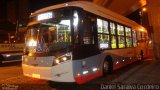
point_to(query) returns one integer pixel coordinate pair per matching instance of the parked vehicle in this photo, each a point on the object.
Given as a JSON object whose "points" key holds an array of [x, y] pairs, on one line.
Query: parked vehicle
{"points": [[11, 52]]}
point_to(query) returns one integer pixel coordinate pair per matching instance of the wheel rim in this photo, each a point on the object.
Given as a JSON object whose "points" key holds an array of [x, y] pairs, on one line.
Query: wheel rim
{"points": [[105, 65]]}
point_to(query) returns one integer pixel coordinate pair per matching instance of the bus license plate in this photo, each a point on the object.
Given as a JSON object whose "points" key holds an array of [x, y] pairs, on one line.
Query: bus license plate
{"points": [[36, 75]]}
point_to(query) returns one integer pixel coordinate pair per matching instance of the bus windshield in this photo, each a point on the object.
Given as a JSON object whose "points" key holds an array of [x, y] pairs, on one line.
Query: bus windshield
{"points": [[49, 36]]}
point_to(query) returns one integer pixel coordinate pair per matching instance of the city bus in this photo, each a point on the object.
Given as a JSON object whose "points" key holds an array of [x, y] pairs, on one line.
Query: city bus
{"points": [[78, 41]]}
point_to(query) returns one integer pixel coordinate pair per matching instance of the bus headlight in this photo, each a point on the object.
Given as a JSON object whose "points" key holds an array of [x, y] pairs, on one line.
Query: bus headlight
{"points": [[62, 58], [32, 43]]}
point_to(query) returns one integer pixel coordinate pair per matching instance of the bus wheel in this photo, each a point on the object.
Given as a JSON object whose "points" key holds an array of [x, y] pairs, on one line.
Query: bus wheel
{"points": [[107, 66]]}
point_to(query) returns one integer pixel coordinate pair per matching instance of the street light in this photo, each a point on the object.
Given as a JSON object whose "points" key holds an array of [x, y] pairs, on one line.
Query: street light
{"points": [[141, 12], [144, 9]]}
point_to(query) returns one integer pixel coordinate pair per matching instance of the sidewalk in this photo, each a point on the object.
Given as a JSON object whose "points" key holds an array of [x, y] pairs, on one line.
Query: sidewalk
{"points": [[145, 72]]}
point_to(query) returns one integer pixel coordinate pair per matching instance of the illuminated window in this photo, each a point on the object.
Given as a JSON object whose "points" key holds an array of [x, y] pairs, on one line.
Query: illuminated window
{"points": [[102, 26], [56, 32], [128, 31], [49, 35], [112, 28], [134, 38], [120, 30], [105, 27], [64, 31], [103, 41], [113, 42], [121, 39], [128, 37], [113, 35], [129, 41], [99, 25], [103, 34]]}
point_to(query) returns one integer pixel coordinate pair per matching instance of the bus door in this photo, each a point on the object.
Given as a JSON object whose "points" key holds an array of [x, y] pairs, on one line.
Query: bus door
{"points": [[86, 44]]}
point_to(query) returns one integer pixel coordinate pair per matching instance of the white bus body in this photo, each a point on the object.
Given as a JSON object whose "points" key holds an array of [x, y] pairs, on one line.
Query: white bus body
{"points": [[82, 55]]}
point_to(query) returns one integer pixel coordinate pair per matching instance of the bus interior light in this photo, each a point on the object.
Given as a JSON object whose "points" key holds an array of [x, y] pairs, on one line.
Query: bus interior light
{"points": [[75, 23]]}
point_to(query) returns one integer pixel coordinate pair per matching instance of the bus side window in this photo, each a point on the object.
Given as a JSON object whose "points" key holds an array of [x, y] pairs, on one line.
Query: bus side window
{"points": [[121, 37], [88, 36], [128, 37], [113, 35], [134, 34], [103, 34]]}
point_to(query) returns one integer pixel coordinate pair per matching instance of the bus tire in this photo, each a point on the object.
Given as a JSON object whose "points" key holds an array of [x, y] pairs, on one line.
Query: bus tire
{"points": [[107, 65]]}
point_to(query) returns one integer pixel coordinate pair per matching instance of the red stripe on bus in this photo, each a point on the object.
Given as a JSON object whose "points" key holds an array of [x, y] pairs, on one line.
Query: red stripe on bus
{"points": [[123, 65], [86, 78]]}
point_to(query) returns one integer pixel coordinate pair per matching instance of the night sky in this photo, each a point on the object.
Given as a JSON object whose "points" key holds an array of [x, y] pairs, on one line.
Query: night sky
{"points": [[33, 6], [37, 4]]}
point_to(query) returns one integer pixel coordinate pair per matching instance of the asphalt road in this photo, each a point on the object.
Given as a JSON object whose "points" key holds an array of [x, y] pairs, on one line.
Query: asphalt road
{"points": [[139, 75]]}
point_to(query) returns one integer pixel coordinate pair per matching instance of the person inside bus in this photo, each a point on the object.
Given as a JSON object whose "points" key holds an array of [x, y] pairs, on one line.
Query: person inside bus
{"points": [[60, 38]]}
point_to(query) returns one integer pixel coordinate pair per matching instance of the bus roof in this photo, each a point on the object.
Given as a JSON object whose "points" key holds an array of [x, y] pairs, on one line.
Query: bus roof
{"points": [[98, 10]]}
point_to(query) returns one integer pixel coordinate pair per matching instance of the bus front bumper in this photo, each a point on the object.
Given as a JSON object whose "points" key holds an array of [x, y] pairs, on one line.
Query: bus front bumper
{"points": [[55, 73], [37, 72]]}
